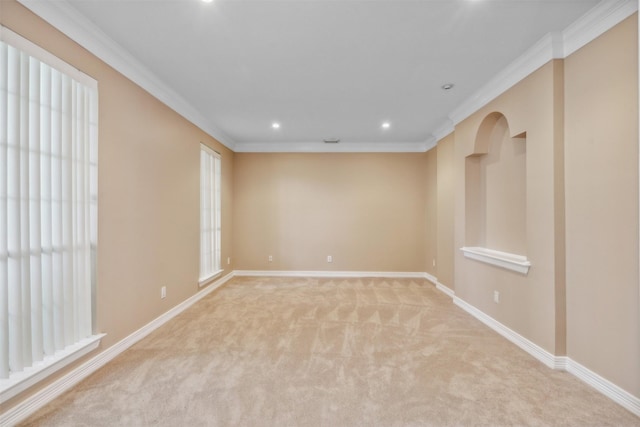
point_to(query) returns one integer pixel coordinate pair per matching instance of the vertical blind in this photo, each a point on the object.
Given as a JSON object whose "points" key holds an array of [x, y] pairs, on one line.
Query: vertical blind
{"points": [[48, 206], [209, 213]]}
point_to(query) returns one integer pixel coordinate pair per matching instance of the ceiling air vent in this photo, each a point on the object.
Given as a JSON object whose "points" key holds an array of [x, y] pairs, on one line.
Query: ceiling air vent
{"points": [[331, 140]]}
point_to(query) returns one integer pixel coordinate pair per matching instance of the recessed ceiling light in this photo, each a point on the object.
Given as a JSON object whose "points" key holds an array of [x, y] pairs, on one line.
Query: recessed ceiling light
{"points": [[386, 125], [207, 1], [447, 86], [275, 125]]}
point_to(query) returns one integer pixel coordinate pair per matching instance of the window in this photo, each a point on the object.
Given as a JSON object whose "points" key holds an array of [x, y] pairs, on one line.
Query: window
{"points": [[209, 214], [48, 209]]}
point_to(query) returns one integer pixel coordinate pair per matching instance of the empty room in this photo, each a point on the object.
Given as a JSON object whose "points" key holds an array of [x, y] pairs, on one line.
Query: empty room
{"points": [[319, 213]]}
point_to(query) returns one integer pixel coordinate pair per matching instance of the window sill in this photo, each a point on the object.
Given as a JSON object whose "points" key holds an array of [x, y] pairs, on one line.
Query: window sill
{"points": [[209, 279], [513, 262], [20, 381]]}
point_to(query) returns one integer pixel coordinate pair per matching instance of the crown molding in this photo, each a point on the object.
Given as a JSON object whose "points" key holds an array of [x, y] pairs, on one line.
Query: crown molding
{"points": [[604, 16], [320, 147], [595, 22], [78, 28], [548, 48], [431, 142], [446, 128]]}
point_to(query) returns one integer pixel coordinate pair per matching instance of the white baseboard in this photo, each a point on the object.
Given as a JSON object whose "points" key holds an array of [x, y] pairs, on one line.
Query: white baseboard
{"points": [[439, 286], [533, 349], [564, 363], [450, 292], [433, 279], [46, 395], [604, 386], [30, 405], [329, 274], [561, 363]]}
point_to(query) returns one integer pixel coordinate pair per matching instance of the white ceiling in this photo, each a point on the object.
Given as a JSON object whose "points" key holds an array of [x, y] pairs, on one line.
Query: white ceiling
{"points": [[326, 68]]}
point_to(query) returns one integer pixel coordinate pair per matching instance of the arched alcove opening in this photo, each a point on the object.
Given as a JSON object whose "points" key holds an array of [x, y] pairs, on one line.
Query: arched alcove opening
{"points": [[495, 191]]}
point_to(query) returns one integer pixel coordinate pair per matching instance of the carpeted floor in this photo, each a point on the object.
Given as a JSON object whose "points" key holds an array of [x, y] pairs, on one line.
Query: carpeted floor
{"points": [[328, 352]]}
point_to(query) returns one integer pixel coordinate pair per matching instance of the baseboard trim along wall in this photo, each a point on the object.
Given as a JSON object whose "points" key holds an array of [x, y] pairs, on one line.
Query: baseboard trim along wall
{"points": [[533, 349], [604, 386], [439, 286], [562, 363], [30, 405], [329, 274]]}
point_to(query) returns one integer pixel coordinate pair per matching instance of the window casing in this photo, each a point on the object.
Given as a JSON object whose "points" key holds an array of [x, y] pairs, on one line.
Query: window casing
{"points": [[210, 214], [48, 213]]}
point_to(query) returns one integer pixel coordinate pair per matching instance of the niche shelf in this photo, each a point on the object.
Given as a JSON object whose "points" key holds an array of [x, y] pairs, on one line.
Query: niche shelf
{"points": [[513, 262], [495, 196]]}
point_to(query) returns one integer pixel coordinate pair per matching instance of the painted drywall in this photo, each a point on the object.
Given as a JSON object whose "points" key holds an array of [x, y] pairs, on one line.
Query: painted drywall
{"points": [[445, 208], [148, 202], [431, 213], [495, 189], [559, 211], [147, 205], [366, 210], [601, 137], [527, 302], [581, 295]]}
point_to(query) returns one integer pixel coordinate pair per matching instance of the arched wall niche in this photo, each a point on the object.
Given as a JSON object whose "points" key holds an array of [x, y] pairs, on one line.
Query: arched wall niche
{"points": [[495, 195]]}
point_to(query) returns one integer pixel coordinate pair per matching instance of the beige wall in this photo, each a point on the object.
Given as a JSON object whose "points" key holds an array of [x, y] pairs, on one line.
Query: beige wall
{"points": [[581, 296], [148, 225], [389, 212], [445, 190], [365, 210], [527, 302], [431, 217], [495, 188], [603, 317]]}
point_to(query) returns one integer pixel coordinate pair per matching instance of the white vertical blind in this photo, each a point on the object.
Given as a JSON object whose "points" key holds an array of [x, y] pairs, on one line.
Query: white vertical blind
{"points": [[210, 166], [48, 200]]}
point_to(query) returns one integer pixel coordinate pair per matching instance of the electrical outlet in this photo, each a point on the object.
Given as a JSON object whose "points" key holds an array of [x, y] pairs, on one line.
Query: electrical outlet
{"points": [[270, 258], [329, 258], [163, 292], [496, 297], [228, 260], [434, 262]]}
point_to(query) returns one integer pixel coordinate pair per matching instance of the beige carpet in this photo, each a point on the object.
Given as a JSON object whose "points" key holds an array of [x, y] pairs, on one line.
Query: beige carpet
{"points": [[328, 352]]}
